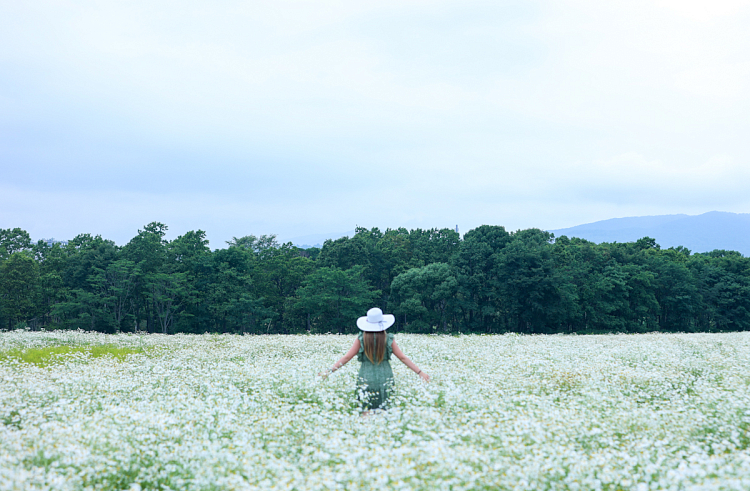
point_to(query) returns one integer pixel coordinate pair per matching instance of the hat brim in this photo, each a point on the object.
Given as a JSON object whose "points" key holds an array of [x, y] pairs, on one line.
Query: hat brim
{"points": [[388, 321]]}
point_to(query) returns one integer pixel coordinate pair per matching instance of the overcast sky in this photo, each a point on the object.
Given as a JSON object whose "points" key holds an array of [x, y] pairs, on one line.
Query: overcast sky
{"points": [[298, 118]]}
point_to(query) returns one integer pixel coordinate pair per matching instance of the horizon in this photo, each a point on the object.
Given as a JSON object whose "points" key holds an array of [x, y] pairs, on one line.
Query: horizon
{"points": [[299, 242]]}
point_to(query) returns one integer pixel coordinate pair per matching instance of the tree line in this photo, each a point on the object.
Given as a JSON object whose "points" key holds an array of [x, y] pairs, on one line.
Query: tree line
{"points": [[434, 281]]}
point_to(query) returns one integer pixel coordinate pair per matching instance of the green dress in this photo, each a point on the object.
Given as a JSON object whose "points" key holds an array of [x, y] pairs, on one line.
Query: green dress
{"points": [[375, 380]]}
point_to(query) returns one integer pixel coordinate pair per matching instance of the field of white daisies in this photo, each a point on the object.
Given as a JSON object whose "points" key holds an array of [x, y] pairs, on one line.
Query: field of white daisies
{"points": [[656, 411]]}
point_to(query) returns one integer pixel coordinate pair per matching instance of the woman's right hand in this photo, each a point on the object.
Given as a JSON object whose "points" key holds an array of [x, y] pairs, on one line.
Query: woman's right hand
{"points": [[425, 377]]}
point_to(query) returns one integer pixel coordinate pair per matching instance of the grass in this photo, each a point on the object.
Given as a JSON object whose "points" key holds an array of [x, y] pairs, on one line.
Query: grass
{"points": [[51, 354]]}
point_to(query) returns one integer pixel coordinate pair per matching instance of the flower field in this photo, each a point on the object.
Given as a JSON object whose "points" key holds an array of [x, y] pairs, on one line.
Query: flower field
{"points": [[93, 411]]}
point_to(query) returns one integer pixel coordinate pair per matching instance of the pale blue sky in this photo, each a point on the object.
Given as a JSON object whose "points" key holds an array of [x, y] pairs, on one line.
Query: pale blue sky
{"points": [[298, 118]]}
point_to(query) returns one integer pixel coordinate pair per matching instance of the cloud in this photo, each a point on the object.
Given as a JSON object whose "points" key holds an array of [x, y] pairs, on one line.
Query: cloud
{"points": [[290, 117]]}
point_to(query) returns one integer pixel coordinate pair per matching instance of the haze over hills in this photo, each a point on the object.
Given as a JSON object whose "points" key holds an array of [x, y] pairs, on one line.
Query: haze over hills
{"points": [[699, 233], [316, 240]]}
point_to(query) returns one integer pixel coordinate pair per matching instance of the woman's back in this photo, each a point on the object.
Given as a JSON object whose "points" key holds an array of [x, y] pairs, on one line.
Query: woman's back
{"points": [[375, 379]]}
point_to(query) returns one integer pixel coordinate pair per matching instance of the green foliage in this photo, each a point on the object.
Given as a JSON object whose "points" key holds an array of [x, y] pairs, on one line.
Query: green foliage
{"points": [[167, 293], [333, 298], [19, 288], [51, 354], [115, 286], [425, 298], [12, 241], [475, 261], [490, 281], [534, 295]]}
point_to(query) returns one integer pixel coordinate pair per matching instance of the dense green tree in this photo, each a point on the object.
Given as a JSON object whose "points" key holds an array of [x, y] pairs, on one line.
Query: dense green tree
{"points": [[230, 298], [184, 252], [12, 241], [82, 309], [19, 289], [115, 289], [148, 251], [278, 276], [67, 294], [52, 263], [332, 299], [607, 299], [489, 281], [434, 245], [275, 272], [677, 294], [345, 253], [86, 254], [480, 300], [424, 298], [536, 296], [257, 245], [643, 307], [723, 283], [168, 293], [390, 256]]}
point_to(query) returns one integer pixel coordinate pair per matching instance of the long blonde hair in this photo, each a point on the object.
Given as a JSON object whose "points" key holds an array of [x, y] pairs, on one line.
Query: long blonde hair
{"points": [[375, 346]]}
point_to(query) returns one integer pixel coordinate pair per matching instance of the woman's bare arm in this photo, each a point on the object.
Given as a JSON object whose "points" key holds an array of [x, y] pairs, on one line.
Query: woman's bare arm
{"points": [[344, 359], [401, 356]]}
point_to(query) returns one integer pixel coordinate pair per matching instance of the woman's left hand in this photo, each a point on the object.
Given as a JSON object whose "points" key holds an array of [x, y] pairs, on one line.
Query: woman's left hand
{"points": [[324, 374]]}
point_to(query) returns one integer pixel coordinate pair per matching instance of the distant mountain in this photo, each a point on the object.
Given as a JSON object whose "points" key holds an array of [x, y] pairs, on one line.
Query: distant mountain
{"points": [[699, 233], [316, 240]]}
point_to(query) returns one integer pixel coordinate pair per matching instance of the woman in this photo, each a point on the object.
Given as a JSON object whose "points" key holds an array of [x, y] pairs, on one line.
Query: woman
{"points": [[373, 348]]}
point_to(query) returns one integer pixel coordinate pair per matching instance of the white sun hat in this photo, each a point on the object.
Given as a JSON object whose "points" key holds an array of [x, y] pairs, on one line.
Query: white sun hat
{"points": [[375, 321]]}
